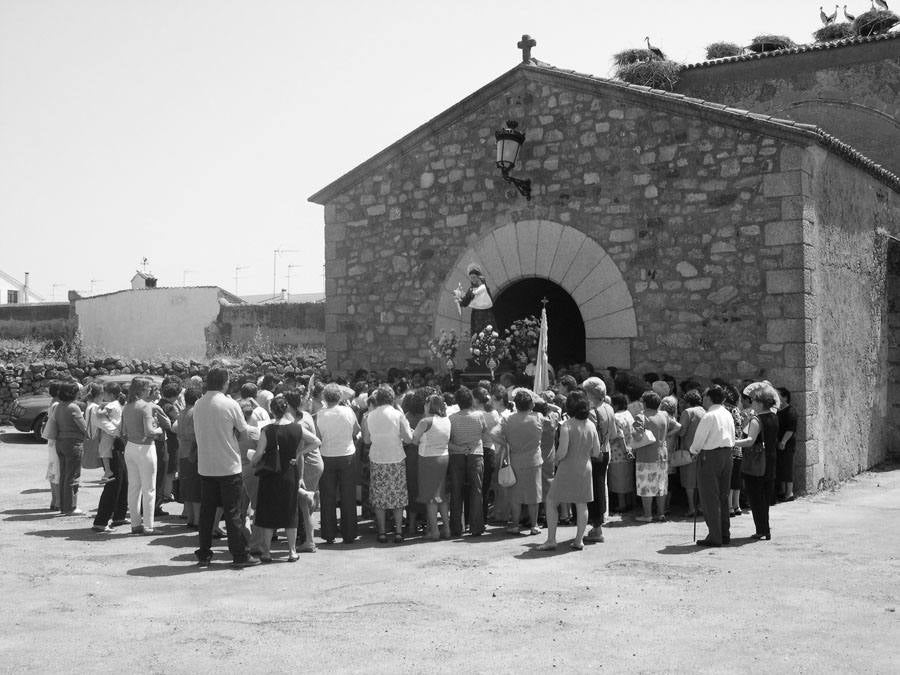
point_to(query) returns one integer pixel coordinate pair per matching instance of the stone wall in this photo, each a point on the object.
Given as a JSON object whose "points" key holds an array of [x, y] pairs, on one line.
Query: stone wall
{"points": [[848, 331], [852, 92], [283, 324], [22, 372], [892, 331], [41, 321]]}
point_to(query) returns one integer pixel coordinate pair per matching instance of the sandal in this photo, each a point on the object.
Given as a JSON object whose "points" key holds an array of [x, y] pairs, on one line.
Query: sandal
{"points": [[534, 530], [576, 547], [293, 557]]}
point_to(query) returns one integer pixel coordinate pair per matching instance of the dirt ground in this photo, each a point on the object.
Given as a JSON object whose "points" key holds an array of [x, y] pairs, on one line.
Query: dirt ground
{"points": [[820, 597]]}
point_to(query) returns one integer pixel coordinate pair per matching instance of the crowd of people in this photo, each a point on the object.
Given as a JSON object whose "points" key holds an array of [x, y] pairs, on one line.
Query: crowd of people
{"points": [[419, 456]]}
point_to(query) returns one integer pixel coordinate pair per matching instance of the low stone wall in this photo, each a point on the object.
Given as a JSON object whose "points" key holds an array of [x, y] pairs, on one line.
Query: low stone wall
{"points": [[42, 321], [24, 373]]}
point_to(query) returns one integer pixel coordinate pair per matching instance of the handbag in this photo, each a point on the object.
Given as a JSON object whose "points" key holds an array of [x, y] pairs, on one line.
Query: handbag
{"points": [[754, 462], [642, 439], [680, 457], [506, 477], [270, 465]]}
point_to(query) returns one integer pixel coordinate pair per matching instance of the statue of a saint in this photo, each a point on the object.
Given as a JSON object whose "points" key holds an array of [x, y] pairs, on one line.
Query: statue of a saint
{"points": [[478, 298]]}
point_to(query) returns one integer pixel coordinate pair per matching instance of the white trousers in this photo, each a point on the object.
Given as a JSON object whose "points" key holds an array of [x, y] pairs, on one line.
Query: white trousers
{"points": [[140, 462]]}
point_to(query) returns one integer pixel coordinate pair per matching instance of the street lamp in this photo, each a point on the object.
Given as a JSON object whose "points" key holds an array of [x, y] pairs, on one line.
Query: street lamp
{"points": [[509, 142]]}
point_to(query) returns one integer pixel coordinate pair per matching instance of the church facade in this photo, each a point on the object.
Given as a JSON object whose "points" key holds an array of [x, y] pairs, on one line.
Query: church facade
{"points": [[671, 234]]}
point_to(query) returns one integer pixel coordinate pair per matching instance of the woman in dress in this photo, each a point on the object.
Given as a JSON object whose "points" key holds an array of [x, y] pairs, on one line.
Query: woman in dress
{"points": [[578, 442], [188, 478], [432, 434], [139, 431], [690, 419], [387, 429], [620, 478], [652, 460], [762, 438], [521, 434], [279, 492]]}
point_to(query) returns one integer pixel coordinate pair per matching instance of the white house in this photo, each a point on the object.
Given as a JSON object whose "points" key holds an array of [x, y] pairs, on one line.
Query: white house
{"points": [[15, 292]]}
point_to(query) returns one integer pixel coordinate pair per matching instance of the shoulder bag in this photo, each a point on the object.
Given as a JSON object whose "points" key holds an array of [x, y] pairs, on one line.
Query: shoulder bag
{"points": [[506, 477], [754, 462], [270, 465]]}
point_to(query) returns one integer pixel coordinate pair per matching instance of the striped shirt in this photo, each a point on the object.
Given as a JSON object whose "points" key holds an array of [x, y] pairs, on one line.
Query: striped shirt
{"points": [[468, 433]]}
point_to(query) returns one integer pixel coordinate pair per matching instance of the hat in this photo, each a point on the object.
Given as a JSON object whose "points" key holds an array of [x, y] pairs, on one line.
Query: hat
{"points": [[661, 387], [473, 269]]}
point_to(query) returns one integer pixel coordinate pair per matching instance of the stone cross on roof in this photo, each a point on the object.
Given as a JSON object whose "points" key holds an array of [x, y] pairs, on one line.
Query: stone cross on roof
{"points": [[525, 44]]}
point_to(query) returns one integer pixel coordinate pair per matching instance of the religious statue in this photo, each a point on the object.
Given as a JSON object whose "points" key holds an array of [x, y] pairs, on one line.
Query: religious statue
{"points": [[478, 298]]}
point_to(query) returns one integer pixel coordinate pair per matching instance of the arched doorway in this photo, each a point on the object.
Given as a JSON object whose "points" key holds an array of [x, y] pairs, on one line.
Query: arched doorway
{"points": [[565, 325]]}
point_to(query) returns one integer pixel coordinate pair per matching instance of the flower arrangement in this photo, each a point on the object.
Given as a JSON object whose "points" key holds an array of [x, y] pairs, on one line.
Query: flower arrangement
{"points": [[444, 347], [488, 348], [522, 335]]}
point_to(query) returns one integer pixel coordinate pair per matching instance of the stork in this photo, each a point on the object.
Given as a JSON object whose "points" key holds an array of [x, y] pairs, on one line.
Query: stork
{"points": [[882, 5], [656, 51], [827, 19], [848, 16]]}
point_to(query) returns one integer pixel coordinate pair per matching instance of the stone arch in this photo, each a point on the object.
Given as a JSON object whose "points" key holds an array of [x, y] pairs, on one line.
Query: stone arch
{"points": [[565, 256]]}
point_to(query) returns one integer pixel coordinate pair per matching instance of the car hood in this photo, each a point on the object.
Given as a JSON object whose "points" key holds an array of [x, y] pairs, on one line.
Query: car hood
{"points": [[34, 400]]}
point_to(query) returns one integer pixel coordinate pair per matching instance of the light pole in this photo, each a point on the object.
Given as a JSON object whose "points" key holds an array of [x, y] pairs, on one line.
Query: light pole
{"points": [[275, 255], [237, 271]]}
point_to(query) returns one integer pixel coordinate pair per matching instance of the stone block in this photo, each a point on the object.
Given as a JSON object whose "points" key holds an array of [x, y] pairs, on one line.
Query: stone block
{"points": [[581, 265], [609, 301], [784, 330], [784, 281], [621, 324], [458, 220], [621, 236], [801, 355], [509, 250], [549, 234], [700, 284], [651, 192], [686, 269], [605, 274], [527, 234], [376, 210], [569, 246], [489, 256], [783, 233], [604, 353]]}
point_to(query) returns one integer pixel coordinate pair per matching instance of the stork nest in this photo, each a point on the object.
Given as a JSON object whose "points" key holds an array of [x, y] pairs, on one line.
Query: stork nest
{"points": [[875, 22], [770, 43], [721, 50], [834, 31], [630, 56], [656, 74]]}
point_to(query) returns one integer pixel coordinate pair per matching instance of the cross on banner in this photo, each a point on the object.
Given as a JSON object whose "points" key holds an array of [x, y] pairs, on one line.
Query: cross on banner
{"points": [[525, 44]]}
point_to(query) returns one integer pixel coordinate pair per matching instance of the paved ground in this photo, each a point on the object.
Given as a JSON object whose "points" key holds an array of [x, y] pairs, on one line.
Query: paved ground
{"points": [[821, 597]]}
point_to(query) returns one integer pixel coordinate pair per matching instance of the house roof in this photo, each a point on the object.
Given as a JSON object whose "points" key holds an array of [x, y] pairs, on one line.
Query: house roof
{"points": [[15, 282], [143, 275], [799, 49], [678, 103], [268, 298], [231, 297]]}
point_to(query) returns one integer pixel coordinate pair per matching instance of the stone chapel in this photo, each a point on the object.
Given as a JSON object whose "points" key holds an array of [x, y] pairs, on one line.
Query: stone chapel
{"points": [[670, 231]]}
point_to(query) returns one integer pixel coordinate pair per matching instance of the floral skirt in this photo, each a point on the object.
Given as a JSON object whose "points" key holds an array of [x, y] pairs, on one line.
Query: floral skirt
{"points": [[652, 479], [387, 486]]}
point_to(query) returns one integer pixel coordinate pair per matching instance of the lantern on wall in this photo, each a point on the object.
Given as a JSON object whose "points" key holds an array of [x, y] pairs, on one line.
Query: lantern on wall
{"points": [[509, 143]]}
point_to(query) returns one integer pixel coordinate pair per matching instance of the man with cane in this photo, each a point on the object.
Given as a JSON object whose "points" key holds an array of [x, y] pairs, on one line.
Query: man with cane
{"points": [[713, 442]]}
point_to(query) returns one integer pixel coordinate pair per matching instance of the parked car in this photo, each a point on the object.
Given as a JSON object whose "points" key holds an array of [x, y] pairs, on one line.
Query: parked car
{"points": [[30, 410]]}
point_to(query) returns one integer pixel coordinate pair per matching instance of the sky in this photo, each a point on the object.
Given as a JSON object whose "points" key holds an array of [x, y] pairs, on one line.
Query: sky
{"points": [[192, 132]]}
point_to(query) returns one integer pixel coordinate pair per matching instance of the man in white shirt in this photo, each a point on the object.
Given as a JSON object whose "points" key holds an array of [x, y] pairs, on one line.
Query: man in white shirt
{"points": [[338, 429], [218, 423], [713, 441]]}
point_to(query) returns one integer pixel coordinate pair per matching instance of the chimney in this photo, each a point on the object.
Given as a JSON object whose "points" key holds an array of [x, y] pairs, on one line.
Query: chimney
{"points": [[25, 290]]}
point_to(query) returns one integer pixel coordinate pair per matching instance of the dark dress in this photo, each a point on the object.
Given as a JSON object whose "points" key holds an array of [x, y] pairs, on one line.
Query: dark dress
{"points": [[784, 467], [278, 499], [760, 488]]}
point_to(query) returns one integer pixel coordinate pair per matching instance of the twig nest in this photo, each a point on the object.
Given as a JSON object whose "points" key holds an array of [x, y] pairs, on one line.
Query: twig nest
{"points": [[721, 50], [834, 31], [770, 43], [655, 74], [875, 22], [629, 56]]}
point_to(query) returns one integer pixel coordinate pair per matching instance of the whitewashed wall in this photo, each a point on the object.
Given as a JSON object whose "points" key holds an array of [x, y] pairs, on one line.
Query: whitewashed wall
{"points": [[149, 323]]}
